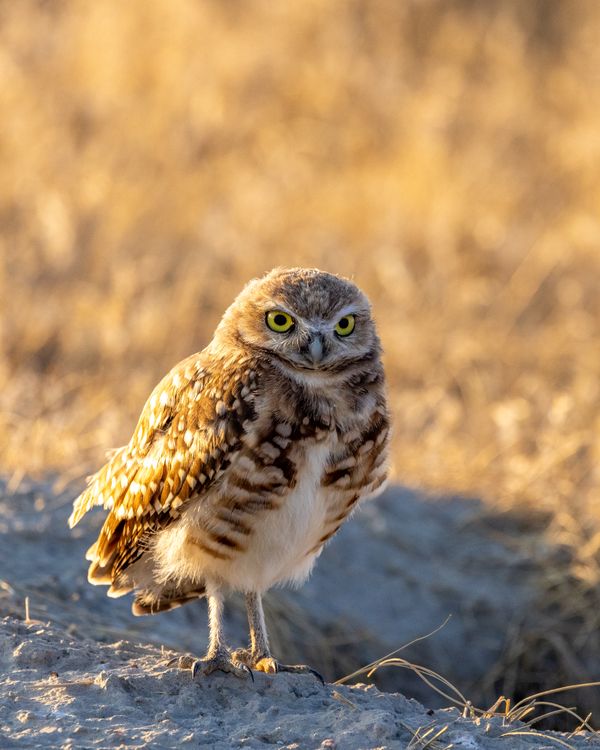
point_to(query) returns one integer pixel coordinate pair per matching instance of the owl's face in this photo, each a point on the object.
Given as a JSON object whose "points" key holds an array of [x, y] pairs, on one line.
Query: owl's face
{"points": [[309, 320]]}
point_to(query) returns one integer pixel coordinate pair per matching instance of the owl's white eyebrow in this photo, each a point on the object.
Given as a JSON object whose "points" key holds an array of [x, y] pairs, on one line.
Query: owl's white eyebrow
{"points": [[348, 310], [333, 318], [272, 306]]}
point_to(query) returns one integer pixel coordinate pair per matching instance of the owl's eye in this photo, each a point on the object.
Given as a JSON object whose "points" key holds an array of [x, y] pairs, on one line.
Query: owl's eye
{"points": [[345, 325], [279, 321]]}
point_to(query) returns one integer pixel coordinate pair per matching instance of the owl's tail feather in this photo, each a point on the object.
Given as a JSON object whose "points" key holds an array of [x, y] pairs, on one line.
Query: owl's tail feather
{"points": [[103, 487], [99, 575], [100, 572], [148, 602]]}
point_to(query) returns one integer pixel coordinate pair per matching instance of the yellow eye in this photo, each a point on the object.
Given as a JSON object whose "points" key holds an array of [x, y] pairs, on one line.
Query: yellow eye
{"points": [[279, 321], [345, 325]]}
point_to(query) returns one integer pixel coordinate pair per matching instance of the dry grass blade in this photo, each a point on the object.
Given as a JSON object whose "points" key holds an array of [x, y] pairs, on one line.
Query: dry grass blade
{"points": [[520, 714], [342, 699], [552, 691], [547, 715], [422, 737], [582, 725], [374, 664], [424, 673], [545, 735], [493, 709], [583, 722]]}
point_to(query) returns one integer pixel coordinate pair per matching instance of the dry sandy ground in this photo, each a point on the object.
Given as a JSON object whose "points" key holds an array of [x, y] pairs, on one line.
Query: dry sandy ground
{"points": [[62, 692], [74, 678]]}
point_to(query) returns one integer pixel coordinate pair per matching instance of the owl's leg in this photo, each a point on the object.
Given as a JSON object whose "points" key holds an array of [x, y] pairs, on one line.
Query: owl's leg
{"points": [[259, 655], [218, 656]]}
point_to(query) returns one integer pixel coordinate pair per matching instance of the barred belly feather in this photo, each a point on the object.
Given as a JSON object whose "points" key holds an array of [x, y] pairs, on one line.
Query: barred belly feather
{"points": [[279, 546]]}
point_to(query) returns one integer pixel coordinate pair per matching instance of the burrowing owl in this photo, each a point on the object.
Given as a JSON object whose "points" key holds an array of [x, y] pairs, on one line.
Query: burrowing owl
{"points": [[247, 458]]}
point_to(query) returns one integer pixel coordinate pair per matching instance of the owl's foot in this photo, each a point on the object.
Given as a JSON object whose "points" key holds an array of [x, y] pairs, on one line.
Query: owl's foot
{"points": [[220, 661], [269, 665]]}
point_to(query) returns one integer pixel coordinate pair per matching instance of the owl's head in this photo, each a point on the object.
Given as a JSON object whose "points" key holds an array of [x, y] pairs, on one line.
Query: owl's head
{"points": [[308, 319]]}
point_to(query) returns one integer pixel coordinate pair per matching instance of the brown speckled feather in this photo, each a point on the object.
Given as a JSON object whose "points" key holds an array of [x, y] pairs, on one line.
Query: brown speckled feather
{"points": [[188, 428]]}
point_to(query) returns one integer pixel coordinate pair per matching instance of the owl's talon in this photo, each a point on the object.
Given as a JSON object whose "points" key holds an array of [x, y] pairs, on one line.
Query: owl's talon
{"points": [[300, 669], [272, 666]]}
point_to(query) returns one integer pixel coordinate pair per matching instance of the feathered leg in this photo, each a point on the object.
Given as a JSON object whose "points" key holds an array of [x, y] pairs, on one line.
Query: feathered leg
{"points": [[259, 655], [218, 656]]}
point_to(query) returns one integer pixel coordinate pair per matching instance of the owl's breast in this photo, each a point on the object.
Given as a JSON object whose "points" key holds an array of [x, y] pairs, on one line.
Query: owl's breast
{"points": [[280, 547], [281, 498], [260, 527]]}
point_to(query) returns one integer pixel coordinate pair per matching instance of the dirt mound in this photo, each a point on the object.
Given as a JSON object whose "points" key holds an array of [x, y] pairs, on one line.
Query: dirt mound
{"points": [[61, 692], [394, 573]]}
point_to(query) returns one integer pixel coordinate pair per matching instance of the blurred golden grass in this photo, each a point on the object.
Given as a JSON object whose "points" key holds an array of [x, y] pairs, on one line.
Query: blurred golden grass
{"points": [[446, 155]]}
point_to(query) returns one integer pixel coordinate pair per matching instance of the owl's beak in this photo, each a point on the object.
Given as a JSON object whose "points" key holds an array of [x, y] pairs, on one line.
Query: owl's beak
{"points": [[315, 349]]}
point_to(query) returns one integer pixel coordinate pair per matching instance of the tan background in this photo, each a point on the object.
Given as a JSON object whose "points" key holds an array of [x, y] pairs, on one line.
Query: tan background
{"points": [[155, 155]]}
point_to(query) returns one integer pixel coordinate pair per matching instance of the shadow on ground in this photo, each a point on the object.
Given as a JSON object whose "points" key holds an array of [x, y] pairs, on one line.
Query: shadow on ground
{"points": [[394, 573]]}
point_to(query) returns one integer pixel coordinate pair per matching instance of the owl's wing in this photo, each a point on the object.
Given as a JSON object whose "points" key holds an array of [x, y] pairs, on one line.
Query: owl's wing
{"points": [[190, 425]]}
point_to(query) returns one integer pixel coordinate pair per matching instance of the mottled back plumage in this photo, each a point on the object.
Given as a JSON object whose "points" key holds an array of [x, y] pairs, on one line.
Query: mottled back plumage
{"points": [[249, 455]]}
